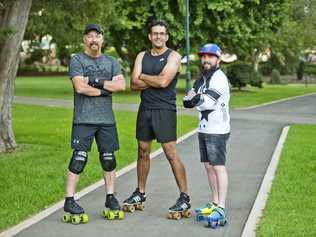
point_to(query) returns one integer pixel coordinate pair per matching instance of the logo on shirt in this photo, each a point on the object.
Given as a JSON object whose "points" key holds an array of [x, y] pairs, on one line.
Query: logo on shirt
{"points": [[162, 59]]}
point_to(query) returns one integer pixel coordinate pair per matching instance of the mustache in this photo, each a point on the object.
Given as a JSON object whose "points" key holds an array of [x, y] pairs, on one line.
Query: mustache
{"points": [[93, 44], [206, 63]]}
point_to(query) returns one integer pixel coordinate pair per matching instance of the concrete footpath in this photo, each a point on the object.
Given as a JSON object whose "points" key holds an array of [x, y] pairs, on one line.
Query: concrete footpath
{"points": [[254, 135]]}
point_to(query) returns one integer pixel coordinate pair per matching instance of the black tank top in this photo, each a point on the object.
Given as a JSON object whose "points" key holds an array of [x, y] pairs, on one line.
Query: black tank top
{"points": [[158, 98]]}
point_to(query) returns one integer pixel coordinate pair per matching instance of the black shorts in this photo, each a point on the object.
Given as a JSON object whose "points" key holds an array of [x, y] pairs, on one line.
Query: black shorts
{"points": [[160, 124], [213, 148], [105, 137]]}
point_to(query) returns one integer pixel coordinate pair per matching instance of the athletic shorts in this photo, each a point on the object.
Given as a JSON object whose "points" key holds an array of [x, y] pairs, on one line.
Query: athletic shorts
{"points": [[213, 148], [105, 136], [160, 124]]}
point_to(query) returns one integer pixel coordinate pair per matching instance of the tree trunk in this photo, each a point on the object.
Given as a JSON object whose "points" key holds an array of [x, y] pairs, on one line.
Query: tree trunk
{"points": [[13, 19]]}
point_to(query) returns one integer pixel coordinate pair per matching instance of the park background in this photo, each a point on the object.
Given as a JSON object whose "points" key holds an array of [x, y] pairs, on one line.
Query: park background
{"points": [[269, 46]]}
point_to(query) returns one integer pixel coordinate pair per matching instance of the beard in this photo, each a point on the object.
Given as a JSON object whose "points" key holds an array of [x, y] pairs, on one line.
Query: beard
{"points": [[94, 46]]}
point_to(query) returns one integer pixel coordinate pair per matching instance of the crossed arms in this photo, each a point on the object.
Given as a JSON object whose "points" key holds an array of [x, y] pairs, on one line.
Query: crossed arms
{"points": [[142, 81], [85, 86]]}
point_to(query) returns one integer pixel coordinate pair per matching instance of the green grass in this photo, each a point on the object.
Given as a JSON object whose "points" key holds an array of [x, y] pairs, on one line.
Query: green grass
{"points": [[33, 177], [61, 88], [254, 96], [291, 208]]}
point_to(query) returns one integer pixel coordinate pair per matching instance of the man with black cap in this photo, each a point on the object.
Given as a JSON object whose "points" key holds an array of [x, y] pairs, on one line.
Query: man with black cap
{"points": [[94, 76]]}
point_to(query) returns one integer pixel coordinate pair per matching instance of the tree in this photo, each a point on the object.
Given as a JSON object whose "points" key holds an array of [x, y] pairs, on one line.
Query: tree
{"points": [[240, 27], [65, 20], [13, 20]]}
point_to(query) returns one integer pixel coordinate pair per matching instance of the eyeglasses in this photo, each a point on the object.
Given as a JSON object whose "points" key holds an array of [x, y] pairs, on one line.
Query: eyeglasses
{"points": [[158, 33]]}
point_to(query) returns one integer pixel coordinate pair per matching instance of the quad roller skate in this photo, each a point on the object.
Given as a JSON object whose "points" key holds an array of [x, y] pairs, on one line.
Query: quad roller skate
{"points": [[216, 218], [205, 210], [112, 209], [181, 208], [74, 213], [134, 202]]}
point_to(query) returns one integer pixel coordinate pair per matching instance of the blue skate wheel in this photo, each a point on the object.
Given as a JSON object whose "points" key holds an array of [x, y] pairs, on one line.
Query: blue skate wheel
{"points": [[199, 217], [212, 224]]}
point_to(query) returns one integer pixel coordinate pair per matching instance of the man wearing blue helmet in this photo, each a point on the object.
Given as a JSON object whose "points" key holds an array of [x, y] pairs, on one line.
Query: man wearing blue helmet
{"points": [[210, 95]]}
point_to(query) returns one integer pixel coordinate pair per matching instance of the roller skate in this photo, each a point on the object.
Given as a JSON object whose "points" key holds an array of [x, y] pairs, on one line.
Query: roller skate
{"points": [[74, 213], [181, 208], [112, 209], [134, 202], [202, 212], [216, 218]]}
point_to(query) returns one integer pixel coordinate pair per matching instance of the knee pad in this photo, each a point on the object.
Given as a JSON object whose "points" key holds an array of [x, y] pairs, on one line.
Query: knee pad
{"points": [[78, 161], [107, 160]]}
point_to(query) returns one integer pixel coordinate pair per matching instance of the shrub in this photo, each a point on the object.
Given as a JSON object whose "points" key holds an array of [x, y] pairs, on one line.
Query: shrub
{"points": [[275, 77], [241, 74]]}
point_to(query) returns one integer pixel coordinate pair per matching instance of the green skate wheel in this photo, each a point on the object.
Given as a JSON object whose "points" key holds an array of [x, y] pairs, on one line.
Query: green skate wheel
{"points": [[75, 220], [66, 218], [111, 215], [84, 218], [120, 215], [104, 213]]}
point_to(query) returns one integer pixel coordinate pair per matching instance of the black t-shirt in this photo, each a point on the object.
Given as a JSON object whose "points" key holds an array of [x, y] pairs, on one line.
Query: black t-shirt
{"points": [[158, 98]]}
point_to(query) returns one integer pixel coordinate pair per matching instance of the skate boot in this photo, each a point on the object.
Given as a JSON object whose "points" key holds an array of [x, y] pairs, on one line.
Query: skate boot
{"points": [[203, 211], [134, 202], [216, 218], [181, 208], [112, 208], [74, 213]]}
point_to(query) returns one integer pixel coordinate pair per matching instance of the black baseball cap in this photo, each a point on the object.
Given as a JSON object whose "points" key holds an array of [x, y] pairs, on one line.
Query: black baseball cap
{"points": [[91, 27]]}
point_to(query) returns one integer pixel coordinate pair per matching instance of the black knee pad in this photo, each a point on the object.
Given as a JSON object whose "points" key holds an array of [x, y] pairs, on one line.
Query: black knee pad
{"points": [[107, 160], [78, 161]]}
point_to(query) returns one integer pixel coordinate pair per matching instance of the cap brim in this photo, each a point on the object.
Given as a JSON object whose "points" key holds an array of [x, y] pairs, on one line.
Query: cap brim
{"points": [[202, 53]]}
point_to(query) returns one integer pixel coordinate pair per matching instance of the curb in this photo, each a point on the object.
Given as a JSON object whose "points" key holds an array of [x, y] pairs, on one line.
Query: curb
{"points": [[43, 214], [262, 196]]}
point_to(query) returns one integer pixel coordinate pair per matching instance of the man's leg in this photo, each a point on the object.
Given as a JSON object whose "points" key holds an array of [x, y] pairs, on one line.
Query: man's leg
{"points": [[143, 164], [76, 166], [176, 165], [212, 180], [72, 181], [222, 184]]}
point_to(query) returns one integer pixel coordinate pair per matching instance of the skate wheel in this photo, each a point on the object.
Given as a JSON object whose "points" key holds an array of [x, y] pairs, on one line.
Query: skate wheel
{"points": [[131, 208], [212, 224], [66, 218], [140, 207], [222, 222], [199, 217], [187, 214], [120, 215], [110, 215], [104, 213], [174, 215], [177, 216], [75, 220], [84, 218]]}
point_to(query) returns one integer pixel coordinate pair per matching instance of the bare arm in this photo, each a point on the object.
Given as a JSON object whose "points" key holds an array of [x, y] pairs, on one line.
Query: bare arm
{"points": [[117, 84], [136, 83], [81, 87], [167, 75]]}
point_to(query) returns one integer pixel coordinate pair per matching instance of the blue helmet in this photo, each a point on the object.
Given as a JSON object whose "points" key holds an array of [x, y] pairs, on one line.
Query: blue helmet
{"points": [[213, 49]]}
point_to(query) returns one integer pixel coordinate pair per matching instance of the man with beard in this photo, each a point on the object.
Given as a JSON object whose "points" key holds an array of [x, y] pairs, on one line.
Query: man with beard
{"points": [[210, 95], [94, 76], [155, 74]]}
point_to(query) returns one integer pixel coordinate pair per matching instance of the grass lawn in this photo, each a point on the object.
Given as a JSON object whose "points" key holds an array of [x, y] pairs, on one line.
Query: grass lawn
{"points": [[33, 177], [291, 208], [61, 88]]}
